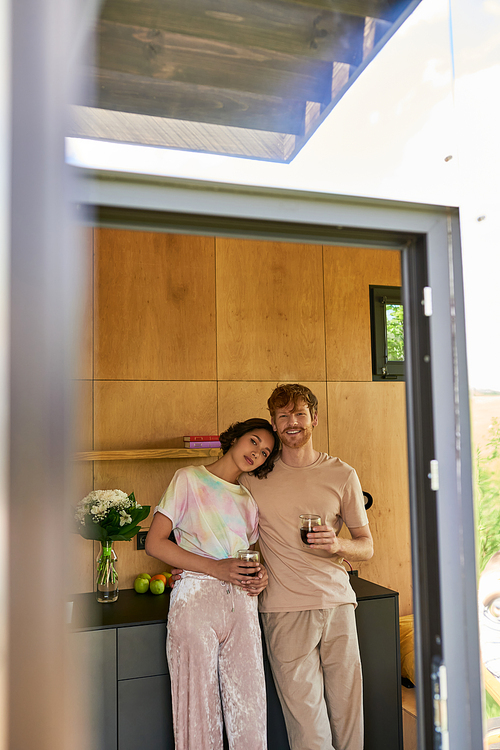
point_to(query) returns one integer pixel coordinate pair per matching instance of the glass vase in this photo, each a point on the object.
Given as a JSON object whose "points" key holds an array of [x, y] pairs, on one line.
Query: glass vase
{"points": [[106, 581]]}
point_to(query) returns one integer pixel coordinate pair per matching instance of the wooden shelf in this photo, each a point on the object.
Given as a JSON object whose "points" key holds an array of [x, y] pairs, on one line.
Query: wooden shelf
{"points": [[150, 453]]}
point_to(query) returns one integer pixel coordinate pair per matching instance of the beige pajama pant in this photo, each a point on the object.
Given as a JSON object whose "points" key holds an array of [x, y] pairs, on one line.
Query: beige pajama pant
{"points": [[314, 658], [214, 653]]}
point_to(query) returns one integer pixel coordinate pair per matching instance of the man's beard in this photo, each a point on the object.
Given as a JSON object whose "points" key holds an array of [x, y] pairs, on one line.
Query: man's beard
{"points": [[299, 439]]}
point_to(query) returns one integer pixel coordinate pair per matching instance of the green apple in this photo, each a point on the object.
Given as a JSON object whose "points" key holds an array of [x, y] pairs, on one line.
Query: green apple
{"points": [[144, 575], [141, 585], [157, 587]]}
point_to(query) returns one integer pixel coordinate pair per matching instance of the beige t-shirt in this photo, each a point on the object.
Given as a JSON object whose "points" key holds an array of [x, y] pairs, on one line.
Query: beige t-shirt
{"points": [[302, 578]]}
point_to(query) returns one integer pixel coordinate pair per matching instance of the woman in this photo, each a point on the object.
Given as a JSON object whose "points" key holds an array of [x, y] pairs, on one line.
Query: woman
{"points": [[213, 644]]}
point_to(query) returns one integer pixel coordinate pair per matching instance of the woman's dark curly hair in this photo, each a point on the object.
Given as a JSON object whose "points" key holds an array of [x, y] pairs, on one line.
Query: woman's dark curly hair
{"points": [[238, 429]]}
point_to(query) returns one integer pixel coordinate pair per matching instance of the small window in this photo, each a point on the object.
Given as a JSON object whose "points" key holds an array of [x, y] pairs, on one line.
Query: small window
{"points": [[387, 326]]}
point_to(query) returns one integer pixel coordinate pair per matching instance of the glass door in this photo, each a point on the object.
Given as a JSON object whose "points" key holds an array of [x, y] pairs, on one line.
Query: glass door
{"points": [[440, 470]]}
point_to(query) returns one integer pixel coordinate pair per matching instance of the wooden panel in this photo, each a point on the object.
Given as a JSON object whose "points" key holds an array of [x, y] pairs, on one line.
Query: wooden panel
{"points": [[84, 366], [149, 96], [280, 26], [176, 57], [367, 429], [81, 555], [83, 430], [155, 306], [148, 480], [243, 400], [270, 318], [135, 415], [141, 414], [348, 274], [81, 550]]}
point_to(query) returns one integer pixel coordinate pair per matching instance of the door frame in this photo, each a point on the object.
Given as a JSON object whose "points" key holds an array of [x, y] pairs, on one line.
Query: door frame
{"points": [[441, 507]]}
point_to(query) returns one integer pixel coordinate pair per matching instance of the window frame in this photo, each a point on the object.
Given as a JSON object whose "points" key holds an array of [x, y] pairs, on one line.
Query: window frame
{"points": [[382, 367]]}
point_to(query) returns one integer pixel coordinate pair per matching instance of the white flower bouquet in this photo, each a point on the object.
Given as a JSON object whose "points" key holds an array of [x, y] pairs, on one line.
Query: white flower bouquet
{"points": [[110, 516]]}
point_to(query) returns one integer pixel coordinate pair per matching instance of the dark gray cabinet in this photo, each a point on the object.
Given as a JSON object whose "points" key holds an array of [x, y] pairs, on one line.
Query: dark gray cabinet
{"points": [[377, 620], [145, 714], [132, 702], [144, 705], [95, 656], [141, 651]]}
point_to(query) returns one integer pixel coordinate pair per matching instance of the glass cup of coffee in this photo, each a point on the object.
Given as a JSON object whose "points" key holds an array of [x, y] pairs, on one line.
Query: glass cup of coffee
{"points": [[248, 555], [307, 523]]}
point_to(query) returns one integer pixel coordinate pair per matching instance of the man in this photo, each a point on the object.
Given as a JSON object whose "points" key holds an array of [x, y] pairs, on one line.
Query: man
{"points": [[308, 606]]}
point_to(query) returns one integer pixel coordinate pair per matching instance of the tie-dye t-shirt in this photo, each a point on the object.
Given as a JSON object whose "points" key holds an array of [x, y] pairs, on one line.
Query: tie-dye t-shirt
{"points": [[210, 517]]}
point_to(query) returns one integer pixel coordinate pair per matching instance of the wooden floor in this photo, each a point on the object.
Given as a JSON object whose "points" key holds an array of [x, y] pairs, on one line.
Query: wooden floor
{"points": [[409, 719]]}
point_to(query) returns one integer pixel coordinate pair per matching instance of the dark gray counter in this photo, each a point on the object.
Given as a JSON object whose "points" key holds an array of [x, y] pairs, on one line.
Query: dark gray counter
{"points": [[140, 609], [129, 609], [132, 675]]}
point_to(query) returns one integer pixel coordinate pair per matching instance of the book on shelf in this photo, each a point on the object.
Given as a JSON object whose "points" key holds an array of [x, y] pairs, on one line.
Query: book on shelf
{"points": [[199, 438], [202, 444]]}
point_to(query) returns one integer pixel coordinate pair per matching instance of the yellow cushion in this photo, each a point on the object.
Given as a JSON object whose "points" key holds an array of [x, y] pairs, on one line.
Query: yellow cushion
{"points": [[407, 648]]}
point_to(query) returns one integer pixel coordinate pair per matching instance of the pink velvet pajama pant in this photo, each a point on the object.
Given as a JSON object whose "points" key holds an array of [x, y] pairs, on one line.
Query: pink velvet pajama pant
{"points": [[214, 656]]}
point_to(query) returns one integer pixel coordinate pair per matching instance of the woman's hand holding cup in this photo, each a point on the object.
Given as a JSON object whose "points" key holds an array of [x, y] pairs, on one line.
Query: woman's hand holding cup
{"points": [[236, 570]]}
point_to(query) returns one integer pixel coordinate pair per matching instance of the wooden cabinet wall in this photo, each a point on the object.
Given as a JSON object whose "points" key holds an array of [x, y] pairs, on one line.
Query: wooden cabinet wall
{"points": [[185, 334]]}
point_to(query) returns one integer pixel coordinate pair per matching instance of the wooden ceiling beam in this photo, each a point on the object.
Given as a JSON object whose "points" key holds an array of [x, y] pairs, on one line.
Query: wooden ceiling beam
{"points": [[294, 28], [384, 10], [250, 78], [123, 92], [173, 57], [125, 127]]}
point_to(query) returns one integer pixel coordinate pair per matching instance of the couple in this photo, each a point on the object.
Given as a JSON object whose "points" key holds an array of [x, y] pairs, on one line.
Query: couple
{"points": [[307, 604]]}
